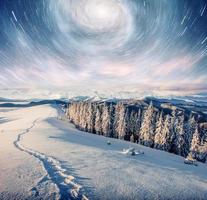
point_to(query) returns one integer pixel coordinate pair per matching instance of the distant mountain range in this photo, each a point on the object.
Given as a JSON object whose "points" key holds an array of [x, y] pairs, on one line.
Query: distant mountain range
{"points": [[125, 92]]}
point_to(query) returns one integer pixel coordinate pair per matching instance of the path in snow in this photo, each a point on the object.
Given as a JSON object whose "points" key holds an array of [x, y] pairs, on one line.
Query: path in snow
{"points": [[65, 183], [104, 172]]}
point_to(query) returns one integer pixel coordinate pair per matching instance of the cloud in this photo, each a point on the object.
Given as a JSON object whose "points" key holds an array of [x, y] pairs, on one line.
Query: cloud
{"points": [[115, 70]]}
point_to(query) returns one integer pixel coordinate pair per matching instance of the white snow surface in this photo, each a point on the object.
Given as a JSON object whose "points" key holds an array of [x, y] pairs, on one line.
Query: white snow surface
{"points": [[43, 156]]}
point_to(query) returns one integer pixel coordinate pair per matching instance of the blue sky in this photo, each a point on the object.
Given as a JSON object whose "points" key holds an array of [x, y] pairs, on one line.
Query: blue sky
{"points": [[103, 44]]}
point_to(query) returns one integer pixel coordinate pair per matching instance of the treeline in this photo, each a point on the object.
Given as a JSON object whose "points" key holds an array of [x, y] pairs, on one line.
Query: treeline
{"points": [[147, 125]]}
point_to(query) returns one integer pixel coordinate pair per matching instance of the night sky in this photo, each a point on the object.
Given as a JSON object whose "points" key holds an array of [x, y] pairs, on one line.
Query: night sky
{"points": [[103, 43]]}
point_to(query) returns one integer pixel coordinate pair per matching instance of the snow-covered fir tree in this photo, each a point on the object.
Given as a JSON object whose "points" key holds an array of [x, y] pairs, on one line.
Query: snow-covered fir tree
{"points": [[158, 131], [127, 124], [116, 119], [138, 126], [90, 117], [195, 143], [147, 128], [111, 112], [204, 133], [98, 122], [133, 122], [202, 146], [106, 121], [120, 126], [84, 116], [166, 142], [172, 125], [162, 137], [190, 127], [180, 145]]}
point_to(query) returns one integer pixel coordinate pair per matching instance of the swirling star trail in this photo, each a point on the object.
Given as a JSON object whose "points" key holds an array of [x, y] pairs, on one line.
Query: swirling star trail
{"points": [[69, 43]]}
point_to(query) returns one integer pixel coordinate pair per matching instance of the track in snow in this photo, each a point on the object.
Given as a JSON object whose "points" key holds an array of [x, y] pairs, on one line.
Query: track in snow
{"points": [[68, 189]]}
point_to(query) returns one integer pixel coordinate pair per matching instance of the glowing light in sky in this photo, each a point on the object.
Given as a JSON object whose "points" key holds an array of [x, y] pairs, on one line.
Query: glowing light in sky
{"points": [[106, 43]]}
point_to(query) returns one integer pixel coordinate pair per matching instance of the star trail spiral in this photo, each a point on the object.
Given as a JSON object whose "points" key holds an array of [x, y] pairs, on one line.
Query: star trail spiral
{"points": [[69, 43]]}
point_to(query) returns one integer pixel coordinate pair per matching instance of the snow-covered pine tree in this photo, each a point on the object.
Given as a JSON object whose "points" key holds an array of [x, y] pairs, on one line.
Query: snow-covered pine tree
{"points": [[98, 121], [105, 120], [80, 123], [68, 111], [133, 125], [166, 133], [162, 137], [78, 116], [90, 117], [127, 125], [173, 131], [203, 149], [172, 126], [120, 123], [111, 114], [138, 126], [72, 112], [158, 131], [199, 144], [180, 145], [147, 128], [133, 122], [190, 127], [84, 116], [116, 119], [204, 133], [195, 143]]}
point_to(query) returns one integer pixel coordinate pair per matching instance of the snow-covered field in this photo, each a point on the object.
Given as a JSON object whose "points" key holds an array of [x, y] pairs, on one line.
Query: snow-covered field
{"points": [[43, 157]]}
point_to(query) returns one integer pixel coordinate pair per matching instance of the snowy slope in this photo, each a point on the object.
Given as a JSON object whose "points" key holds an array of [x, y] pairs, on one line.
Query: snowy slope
{"points": [[49, 158]]}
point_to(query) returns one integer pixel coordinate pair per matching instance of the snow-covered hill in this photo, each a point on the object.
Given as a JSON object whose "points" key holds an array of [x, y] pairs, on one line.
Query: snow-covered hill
{"points": [[42, 156]]}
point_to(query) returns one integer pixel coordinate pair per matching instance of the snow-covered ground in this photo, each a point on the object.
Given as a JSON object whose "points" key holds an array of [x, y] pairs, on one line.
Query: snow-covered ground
{"points": [[45, 157]]}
